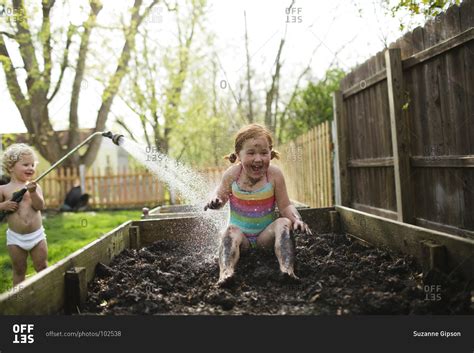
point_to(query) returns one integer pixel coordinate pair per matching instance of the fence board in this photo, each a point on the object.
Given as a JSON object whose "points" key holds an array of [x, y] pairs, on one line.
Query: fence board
{"points": [[400, 136], [306, 163]]}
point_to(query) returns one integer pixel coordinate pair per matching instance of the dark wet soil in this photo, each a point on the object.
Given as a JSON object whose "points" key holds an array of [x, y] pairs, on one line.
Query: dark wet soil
{"points": [[339, 276]]}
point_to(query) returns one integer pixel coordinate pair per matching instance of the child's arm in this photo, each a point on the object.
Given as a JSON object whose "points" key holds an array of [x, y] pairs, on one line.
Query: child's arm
{"points": [[284, 205], [37, 201], [6, 205], [221, 196]]}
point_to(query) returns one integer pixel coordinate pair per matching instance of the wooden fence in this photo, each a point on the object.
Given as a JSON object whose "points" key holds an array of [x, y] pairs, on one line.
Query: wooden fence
{"points": [[125, 188], [307, 165], [405, 127]]}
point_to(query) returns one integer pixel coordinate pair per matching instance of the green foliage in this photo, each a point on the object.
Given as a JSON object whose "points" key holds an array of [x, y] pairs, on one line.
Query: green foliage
{"points": [[428, 8], [175, 91], [414, 12], [312, 105], [5, 62], [201, 134], [66, 233]]}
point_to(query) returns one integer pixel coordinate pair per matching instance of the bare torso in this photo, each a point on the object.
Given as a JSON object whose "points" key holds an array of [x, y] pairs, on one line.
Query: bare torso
{"points": [[249, 184], [26, 219]]}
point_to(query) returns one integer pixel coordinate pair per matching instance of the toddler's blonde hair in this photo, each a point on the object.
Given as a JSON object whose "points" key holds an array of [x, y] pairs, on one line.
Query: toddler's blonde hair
{"points": [[13, 155]]}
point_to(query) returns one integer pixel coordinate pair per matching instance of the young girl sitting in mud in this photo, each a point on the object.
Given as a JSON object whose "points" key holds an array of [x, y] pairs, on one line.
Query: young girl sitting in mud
{"points": [[25, 233], [253, 187]]}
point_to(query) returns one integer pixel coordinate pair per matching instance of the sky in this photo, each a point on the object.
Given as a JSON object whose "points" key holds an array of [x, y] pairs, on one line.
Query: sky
{"points": [[354, 30]]}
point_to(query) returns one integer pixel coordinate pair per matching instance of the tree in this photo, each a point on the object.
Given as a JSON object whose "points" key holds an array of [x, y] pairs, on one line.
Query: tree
{"points": [[428, 8], [156, 100], [31, 85], [312, 105], [202, 139], [250, 116], [272, 94], [425, 9], [277, 100]]}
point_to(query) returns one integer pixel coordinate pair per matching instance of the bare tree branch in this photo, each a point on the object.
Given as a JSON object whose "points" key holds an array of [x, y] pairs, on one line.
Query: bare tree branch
{"points": [[64, 62], [27, 49], [45, 38], [295, 92], [249, 76], [126, 128], [73, 139], [273, 88], [9, 35], [169, 8], [12, 80], [238, 101], [114, 83], [185, 145], [146, 12]]}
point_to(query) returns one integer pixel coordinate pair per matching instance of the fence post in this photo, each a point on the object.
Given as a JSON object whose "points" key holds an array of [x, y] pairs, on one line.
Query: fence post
{"points": [[135, 240], [82, 177], [329, 156], [341, 179], [400, 136], [75, 290]]}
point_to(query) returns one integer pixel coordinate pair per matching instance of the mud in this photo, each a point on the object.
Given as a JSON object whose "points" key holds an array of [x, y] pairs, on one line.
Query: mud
{"points": [[339, 276]]}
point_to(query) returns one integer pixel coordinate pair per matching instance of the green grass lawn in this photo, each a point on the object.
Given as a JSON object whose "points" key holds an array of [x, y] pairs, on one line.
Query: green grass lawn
{"points": [[65, 233]]}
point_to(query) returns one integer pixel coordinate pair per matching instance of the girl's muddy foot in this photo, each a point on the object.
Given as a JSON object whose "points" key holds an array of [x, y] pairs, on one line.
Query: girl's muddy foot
{"points": [[289, 278], [226, 277], [226, 281]]}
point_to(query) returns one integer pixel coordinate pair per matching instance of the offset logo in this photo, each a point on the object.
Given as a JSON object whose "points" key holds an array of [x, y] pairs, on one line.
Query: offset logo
{"points": [[294, 14], [432, 292], [23, 333]]}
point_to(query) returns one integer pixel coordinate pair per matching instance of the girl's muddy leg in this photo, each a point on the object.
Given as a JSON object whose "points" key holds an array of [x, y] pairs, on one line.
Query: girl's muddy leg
{"points": [[229, 252], [285, 247]]}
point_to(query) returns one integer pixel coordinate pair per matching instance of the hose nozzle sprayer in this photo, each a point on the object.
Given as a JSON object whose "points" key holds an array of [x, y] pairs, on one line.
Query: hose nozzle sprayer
{"points": [[114, 137], [18, 195]]}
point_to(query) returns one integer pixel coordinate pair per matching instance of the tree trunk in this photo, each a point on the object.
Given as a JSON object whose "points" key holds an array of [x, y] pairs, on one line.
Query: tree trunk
{"points": [[33, 107], [272, 92], [114, 83]]}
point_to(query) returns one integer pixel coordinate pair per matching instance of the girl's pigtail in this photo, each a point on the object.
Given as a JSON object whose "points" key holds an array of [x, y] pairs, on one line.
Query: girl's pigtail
{"points": [[232, 157], [275, 154]]}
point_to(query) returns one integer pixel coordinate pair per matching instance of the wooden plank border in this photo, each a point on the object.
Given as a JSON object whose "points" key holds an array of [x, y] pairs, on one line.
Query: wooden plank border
{"points": [[382, 212], [465, 161], [438, 49], [371, 162], [444, 228], [407, 239], [364, 84], [43, 293]]}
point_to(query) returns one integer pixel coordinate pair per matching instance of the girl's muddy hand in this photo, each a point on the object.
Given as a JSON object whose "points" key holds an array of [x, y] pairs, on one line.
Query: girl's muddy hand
{"points": [[301, 226], [213, 204]]}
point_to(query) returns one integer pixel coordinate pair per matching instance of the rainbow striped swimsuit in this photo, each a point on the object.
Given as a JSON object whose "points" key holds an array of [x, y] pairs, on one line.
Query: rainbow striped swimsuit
{"points": [[252, 211]]}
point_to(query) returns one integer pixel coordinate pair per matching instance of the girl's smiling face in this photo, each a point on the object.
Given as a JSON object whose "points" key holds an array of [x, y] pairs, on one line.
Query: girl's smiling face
{"points": [[255, 157], [24, 169]]}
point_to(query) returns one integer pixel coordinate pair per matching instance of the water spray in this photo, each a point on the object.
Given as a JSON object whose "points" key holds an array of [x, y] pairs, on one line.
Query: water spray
{"points": [[18, 195]]}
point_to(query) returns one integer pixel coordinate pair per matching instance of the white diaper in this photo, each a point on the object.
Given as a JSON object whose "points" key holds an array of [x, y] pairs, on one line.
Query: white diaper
{"points": [[25, 241]]}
